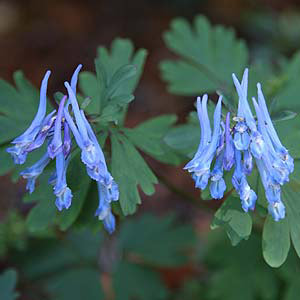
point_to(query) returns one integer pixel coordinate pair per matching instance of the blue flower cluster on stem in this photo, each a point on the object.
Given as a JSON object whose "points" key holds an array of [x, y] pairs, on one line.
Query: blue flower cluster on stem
{"points": [[56, 129], [238, 143]]}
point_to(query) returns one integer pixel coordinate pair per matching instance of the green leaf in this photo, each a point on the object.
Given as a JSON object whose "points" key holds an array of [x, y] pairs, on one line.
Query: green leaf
{"points": [[293, 290], [122, 74], [235, 221], [240, 270], [162, 242], [8, 280], [119, 71], [129, 170], [208, 57], [289, 88], [42, 215], [184, 139], [64, 286], [131, 281], [283, 115], [88, 84], [149, 135], [290, 197], [276, 241]]}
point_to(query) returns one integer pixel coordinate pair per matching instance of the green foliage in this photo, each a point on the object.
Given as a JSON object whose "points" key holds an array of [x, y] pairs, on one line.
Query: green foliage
{"points": [[160, 242], [129, 170], [234, 220], [8, 280], [132, 281], [208, 57], [117, 75]]}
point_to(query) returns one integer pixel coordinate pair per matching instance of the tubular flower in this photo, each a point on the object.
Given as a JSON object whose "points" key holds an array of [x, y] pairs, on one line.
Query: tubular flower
{"points": [[57, 130], [21, 144], [246, 142], [200, 165]]}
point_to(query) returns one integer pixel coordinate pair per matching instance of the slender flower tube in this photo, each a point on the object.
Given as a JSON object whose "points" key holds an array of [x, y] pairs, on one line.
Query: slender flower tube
{"points": [[108, 192], [89, 151], [247, 162], [272, 191], [228, 161], [19, 150], [200, 164], [67, 145], [256, 140], [278, 170], [56, 144], [62, 192], [279, 148], [34, 171], [247, 195], [217, 186]]}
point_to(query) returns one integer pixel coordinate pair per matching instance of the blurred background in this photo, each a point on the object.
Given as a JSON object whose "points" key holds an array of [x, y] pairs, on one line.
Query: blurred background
{"points": [[60, 34]]}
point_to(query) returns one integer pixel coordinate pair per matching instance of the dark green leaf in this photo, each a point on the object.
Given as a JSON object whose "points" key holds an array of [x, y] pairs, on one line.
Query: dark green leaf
{"points": [[161, 241], [131, 281], [209, 55]]}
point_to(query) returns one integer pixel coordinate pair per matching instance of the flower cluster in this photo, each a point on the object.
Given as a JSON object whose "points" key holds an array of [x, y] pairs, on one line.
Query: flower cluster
{"points": [[238, 143], [57, 129]]}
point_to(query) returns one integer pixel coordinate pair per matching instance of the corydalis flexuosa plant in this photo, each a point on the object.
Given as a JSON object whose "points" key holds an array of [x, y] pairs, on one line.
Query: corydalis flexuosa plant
{"points": [[237, 143], [55, 129]]}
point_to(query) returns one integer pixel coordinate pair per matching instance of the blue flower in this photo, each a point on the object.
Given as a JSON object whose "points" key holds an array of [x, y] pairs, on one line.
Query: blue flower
{"points": [[239, 181], [277, 210], [19, 150], [61, 190], [217, 186], [247, 162], [200, 164], [278, 147], [89, 153], [34, 171], [67, 145], [56, 144], [228, 160], [244, 112], [108, 191]]}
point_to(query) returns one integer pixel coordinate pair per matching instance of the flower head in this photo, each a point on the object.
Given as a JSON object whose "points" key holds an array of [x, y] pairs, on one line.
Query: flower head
{"points": [[246, 142]]}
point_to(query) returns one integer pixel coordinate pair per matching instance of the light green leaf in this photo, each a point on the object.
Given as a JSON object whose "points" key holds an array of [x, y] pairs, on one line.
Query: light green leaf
{"points": [[235, 221], [276, 241]]}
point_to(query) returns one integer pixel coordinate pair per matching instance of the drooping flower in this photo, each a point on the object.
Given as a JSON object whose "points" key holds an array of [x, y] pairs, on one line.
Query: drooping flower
{"points": [[200, 165], [247, 141], [57, 129], [20, 149], [61, 190], [34, 171]]}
